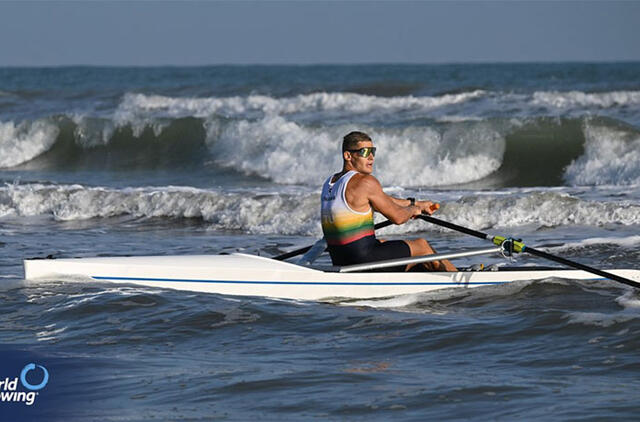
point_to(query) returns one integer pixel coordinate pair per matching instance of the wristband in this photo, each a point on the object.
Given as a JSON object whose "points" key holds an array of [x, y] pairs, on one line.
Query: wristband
{"points": [[412, 201]]}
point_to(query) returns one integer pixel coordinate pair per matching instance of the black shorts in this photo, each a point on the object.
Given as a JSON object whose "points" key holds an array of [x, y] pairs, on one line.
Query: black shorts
{"points": [[369, 249]]}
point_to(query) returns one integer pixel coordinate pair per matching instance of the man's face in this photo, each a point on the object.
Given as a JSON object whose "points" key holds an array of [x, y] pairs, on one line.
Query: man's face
{"points": [[361, 164]]}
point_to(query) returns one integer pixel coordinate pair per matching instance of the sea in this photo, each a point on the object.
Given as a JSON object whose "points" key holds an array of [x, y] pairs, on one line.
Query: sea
{"points": [[125, 161]]}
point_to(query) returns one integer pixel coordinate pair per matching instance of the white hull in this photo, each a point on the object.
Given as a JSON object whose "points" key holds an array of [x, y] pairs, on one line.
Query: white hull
{"points": [[248, 275]]}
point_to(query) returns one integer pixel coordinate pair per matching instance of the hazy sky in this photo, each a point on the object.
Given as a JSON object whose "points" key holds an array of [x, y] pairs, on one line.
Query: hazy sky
{"points": [[195, 33]]}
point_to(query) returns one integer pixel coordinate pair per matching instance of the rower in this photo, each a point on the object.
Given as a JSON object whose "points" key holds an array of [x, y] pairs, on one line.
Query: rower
{"points": [[347, 204]]}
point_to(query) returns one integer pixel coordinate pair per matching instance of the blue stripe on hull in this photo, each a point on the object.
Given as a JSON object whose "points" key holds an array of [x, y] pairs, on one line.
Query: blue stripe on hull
{"points": [[314, 283]]}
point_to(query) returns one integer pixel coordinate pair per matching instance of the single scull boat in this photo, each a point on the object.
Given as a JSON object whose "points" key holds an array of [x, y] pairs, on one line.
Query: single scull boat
{"points": [[250, 275]]}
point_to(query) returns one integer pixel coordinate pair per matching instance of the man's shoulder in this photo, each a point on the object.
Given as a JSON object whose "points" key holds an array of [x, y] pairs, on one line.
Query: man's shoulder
{"points": [[364, 181]]}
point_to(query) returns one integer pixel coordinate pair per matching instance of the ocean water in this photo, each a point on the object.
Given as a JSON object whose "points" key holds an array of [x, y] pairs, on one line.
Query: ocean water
{"points": [[165, 161]]}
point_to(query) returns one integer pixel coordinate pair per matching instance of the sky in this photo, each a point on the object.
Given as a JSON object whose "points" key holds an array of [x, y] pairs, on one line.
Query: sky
{"points": [[149, 33]]}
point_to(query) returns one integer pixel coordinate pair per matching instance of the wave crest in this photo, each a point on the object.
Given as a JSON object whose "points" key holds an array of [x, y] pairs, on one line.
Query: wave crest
{"points": [[22, 142], [297, 213], [542, 209], [579, 99], [261, 213], [286, 152], [135, 105], [612, 157]]}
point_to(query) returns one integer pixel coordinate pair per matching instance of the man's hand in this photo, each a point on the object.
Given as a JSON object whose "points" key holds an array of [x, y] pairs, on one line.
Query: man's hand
{"points": [[415, 210], [427, 207]]}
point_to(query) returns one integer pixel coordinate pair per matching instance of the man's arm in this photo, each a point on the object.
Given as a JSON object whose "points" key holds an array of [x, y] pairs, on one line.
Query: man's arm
{"points": [[425, 206], [396, 210], [400, 202]]}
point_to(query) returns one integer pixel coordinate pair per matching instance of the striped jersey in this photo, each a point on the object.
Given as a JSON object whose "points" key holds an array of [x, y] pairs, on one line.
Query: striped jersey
{"points": [[342, 225]]}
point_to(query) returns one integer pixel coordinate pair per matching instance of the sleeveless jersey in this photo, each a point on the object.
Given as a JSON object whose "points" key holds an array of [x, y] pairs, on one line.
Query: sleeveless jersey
{"points": [[342, 225]]}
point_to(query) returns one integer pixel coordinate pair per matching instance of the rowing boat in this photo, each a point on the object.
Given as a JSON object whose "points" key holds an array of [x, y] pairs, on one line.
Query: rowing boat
{"points": [[250, 275]]}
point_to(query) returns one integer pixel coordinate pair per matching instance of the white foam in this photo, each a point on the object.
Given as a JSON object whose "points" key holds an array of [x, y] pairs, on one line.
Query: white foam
{"points": [[541, 209], [24, 141], [399, 301], [458, 119], [578, 99], [91, 132], [611, 157], [287, 152], [629, 300], [254, 135], [625, 242], [598, 319], [429, 302], [261, 213], [297, 213], [135, 105], [272, 147], [418, 156]]}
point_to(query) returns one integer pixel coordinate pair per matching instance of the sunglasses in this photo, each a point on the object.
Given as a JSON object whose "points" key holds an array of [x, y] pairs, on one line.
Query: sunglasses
{"points": [[364, 152]]}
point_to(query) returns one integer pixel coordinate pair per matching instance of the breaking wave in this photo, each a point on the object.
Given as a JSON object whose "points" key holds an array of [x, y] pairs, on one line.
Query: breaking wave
{"points": [[543, 209], [296, 213], [486, 103], [23, 142], [576, 99], [266, 213], [139, 105], [451, 139], [290, 153], [612, 157], [272, 147]]}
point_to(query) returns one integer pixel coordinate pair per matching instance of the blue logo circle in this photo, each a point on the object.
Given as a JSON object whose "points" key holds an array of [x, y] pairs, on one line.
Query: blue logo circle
{"points": [[23, 377]]}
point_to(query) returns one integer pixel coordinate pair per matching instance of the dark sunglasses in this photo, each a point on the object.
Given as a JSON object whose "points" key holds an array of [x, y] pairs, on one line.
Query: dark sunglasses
{"points": [[364, 152]]}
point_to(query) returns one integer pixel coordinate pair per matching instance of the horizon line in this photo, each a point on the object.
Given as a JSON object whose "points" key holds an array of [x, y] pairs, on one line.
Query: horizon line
{"points": [[284, 64]]}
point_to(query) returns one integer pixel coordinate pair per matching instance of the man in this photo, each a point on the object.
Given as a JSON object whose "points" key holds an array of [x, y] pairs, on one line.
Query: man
{"points": [[348, 201]]}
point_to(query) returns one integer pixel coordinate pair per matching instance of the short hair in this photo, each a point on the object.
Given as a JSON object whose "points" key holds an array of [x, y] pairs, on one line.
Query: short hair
{"points": [[350, 141]]}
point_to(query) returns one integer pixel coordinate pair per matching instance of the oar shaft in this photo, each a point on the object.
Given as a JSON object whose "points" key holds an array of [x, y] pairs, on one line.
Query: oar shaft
{"points": [[583, 267], [291, 254], [533, 251], [456, 227]]}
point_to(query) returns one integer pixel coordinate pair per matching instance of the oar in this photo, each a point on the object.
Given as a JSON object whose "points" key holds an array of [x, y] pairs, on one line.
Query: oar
{"points": [[518, 246], [306, 248]]}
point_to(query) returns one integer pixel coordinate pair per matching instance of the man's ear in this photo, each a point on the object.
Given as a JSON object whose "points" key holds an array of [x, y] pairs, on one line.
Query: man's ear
{"points": [[346, 155]]}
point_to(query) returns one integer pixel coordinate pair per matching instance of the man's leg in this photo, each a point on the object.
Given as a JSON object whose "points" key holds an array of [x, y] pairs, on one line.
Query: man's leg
{"points": [[420, 247]]}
